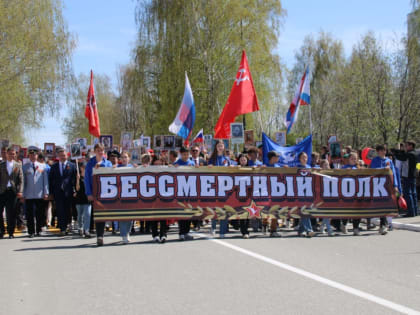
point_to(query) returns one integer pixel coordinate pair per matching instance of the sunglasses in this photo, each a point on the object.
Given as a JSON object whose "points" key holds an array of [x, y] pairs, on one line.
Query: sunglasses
{"points": [[194, 150]]}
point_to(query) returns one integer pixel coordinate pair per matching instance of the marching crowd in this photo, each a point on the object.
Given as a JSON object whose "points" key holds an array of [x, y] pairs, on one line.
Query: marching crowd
{"points": [[57, 193]]}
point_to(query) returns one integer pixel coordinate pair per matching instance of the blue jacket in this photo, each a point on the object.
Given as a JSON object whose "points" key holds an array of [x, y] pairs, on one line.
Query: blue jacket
{"points": [[303, 166], [128, 165], [348, 166], [274, 165], [180, 162], [62, 184], [256, 163], [379, 162], [221, 160], [89, 173], [35, 183]]}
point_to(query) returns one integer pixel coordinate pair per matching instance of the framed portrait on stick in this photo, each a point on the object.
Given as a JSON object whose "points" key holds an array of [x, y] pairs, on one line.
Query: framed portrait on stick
{"points": [[237, 133], [249, 137], [179, 142], [158, 141], [137, 143], [76, 151], [168, 142], [107, 141], [145, 142], [49, 149], [126, 138], [135, 155], [83, 144]]}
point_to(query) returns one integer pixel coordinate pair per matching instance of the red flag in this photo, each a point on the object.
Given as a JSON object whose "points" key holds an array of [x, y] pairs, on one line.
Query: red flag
{"points": [[242, 100], [91, 111]]}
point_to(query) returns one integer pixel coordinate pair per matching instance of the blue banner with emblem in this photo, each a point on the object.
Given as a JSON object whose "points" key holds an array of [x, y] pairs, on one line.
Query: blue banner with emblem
{"points": [[287, 155]]}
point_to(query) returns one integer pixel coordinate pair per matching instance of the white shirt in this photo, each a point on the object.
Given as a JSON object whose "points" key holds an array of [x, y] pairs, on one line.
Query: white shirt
{"points": [[9, 170]]}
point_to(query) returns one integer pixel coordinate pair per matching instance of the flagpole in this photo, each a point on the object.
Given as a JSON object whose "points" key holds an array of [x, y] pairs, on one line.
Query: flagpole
{"points": [[310, 118], [260, 119], [310, 109]]}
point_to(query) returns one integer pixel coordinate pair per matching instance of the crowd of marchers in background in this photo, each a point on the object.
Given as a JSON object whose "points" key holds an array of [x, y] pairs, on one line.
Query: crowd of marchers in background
{"points": [[56, 194]]}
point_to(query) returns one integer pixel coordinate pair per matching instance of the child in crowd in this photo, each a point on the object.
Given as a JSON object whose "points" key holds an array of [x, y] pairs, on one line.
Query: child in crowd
{"points": [[305, 225], [125, 226], [326, 221], [273, 159], [83, 205], [243, 223]]}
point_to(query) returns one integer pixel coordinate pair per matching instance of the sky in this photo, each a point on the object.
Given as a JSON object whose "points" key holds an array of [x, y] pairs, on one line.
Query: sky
{"points": [[106, 32]]}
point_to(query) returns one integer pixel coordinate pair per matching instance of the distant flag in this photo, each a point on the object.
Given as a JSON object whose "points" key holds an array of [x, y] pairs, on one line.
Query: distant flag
{"points": [[242, 100], [199, 137], [302, 97], [185, 118], [91, 110]]}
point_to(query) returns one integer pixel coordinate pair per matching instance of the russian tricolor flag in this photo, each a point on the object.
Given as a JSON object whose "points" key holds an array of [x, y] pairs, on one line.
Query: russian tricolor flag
{"points": [[185, 118], [302, 97], [199, 137]]}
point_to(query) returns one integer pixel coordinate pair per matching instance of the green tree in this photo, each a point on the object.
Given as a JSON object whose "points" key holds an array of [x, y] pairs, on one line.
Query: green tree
{"points": [[406, 81], [205, 39], [369, 104], [35, 62]]}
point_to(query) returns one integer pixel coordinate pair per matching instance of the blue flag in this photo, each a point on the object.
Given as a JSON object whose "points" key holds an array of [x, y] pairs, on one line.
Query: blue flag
{"points": [[288, 155]]}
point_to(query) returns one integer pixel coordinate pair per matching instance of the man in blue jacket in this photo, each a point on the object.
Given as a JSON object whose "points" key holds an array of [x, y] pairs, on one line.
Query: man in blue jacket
{"points": [[97, 161], [35, 191], [62, 182], [381, 161]]}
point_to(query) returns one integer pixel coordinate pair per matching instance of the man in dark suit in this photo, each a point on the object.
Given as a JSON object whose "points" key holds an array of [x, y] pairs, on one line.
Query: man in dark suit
{"points": [[195, 156], [11, 188], [62, 182]]}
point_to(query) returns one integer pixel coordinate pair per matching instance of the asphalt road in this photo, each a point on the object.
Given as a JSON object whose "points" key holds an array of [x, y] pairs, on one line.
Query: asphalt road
{"points": [[370, 274]]}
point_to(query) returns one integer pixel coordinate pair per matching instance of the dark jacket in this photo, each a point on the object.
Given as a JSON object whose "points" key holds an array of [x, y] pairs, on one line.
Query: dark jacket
{"points": [[62, 184], [16, 178], [81, 198], [201, 162], [409, 167]]}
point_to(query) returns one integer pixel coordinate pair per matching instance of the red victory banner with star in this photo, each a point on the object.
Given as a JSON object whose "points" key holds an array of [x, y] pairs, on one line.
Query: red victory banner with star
{"points": [[242, 100], [203, 193]]}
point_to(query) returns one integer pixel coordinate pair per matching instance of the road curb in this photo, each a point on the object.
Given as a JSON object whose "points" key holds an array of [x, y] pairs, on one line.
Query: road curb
{"points": [[402, 226]]}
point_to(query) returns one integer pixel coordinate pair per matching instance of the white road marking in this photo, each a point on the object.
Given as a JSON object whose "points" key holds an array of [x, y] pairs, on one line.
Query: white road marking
{"points": [[334, 284]]}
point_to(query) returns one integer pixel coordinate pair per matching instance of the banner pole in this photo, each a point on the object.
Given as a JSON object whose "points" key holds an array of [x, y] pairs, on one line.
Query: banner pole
{"points": [[77, 167], [260, 119], [310, 118]]}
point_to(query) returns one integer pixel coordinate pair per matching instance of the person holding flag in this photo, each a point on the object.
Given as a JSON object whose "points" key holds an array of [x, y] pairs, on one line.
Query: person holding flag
{"points": [[91, 113], [185, 118], [302, 97]]}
